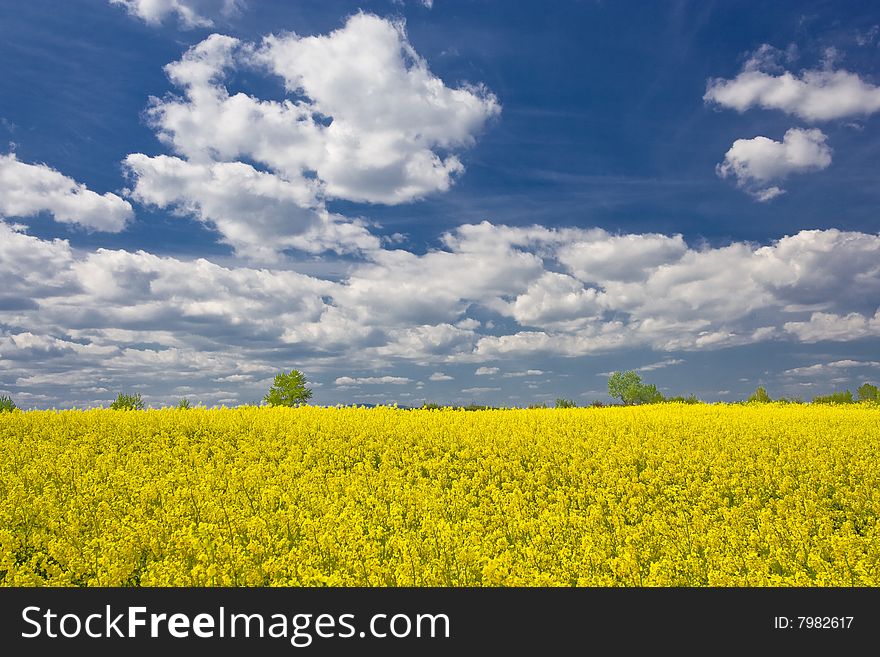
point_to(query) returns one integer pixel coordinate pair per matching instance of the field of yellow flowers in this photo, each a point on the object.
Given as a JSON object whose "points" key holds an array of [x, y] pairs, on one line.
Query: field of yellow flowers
{"points": [[666, 495]]}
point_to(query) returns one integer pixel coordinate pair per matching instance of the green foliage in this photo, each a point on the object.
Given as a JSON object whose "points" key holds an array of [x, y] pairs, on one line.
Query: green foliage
{"points": [[289, 389], [760, 396], [126, 402], [597, 404], [622, 385], [565, 403], [628, 388], [867, 392], [844, 397], [183, 404], [648, 394], [538, 405], [6, 404], [690, 399], [431, 406]]}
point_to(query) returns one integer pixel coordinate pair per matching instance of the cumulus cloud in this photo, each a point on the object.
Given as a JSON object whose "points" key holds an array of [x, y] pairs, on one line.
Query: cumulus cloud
{"points": [[29, 189], [813, 95], [596, 254], [757, 162], [389, 113], [88, 320], [440, 376], [704, 298], [830, 326], [257, 213], [32, 268], [554, 299], [364, 120], [190, 13]]}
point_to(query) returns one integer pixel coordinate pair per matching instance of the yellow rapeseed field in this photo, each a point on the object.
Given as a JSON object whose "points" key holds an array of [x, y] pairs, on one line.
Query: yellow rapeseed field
{"points": [[665, 495]]}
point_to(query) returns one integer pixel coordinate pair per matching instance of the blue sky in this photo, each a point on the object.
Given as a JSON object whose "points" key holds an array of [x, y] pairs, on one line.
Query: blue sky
{"points": [[484, 202]]}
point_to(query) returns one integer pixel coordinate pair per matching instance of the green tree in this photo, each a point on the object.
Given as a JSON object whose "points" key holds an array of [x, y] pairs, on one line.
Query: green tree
{"points": [[867, 392], [690, 399], [623, 385], [126, 402], [648, 394], [6, 404], [478, 407], [565, 403], [844, 397], [289, 389], [628, 388], [760, 395], [183, 404]]}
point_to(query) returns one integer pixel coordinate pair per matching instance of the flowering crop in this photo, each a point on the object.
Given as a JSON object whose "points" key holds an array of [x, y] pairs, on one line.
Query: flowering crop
{"points": [[667, 495]]}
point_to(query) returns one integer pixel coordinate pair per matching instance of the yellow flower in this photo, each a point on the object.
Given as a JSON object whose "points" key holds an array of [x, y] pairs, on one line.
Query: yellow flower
{"points": [[666, 495]]}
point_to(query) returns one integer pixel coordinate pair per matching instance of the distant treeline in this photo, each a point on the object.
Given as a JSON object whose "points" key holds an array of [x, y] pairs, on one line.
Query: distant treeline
{"points": [[627, 387]]}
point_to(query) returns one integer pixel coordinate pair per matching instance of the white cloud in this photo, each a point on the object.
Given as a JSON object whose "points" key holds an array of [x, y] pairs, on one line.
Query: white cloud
{"points": [[26, 345], [29, 189], [257, 213], [103, 318], [826, 368], [754, 163], [469, 323], [596, 255], [389, 112], [190, 13], [772, 60], [513, 375], [364, 120], [668, 362], [418, 342], [598, 339], [437, 287], [767, 193], [440, 376], [478, 390], [839, 328], [554, 299], [372, 380], [813, 95], [31, 268]]}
